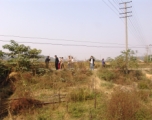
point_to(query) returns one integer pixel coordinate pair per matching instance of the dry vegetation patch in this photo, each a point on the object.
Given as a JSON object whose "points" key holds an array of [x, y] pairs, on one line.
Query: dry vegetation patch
{"points": [[125, 105], [21, 105]]}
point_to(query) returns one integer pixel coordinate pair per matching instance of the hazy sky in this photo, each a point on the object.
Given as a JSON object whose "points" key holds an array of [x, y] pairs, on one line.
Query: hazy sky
{"points": [[83, 21]]}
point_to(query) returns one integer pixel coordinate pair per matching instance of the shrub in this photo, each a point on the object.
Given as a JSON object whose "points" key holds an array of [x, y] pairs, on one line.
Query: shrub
{"points": [[123, 105], [142, 85], [145, 84], [22, 104], [4, 71], [135, 74], [144, 95], [107, 74], [143, 114]]}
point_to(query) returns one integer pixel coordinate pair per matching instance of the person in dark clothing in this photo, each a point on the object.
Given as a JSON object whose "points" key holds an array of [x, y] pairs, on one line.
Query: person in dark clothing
{"points": [[47, 60], [56, 62], [103, 63]]}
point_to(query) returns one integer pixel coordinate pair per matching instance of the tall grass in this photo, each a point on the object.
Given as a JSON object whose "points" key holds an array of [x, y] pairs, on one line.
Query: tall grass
{"points": [[128, 106], [123, 106]]}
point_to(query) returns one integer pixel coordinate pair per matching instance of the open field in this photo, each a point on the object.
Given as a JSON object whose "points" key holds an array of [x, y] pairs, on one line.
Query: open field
{"points": [[30, 90], [76, 94]]}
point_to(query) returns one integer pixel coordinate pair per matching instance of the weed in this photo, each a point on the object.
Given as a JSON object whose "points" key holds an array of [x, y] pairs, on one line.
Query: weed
{"points": [[108, 85], [143, 114], [77, 111], [22, 104], [145, 84], [123, 105], [80, 94], [144, 95], [106, 74]]}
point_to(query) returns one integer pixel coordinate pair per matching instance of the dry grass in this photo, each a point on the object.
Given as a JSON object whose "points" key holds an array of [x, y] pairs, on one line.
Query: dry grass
{"points": [[22, 105], [80, 94], [123, 106], [85, 98]]}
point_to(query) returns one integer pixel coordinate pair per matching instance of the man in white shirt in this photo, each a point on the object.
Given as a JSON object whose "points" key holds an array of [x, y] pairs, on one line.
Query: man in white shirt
{"points": [[91, 62]]}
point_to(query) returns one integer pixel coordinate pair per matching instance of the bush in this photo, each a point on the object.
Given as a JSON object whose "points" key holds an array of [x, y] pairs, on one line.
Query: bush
{"points": [[145, 84], [107, 74], [142, 85], [4, 72], [123, 105], [22, 104], [143, 114], [144, 95], [135, 75]]}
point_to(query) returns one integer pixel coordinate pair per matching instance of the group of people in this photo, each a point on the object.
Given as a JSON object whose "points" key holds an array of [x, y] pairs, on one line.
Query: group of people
{"points": [[59, 62]]}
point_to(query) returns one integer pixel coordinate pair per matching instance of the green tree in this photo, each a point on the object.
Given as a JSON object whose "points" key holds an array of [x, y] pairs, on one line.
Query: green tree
{"points": [[4, 69], [120, 61], [22, 56], [1, 54]]}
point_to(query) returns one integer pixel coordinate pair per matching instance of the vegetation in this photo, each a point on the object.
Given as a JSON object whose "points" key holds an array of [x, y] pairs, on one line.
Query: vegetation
{"points": [[30, 91], [21, 57]]}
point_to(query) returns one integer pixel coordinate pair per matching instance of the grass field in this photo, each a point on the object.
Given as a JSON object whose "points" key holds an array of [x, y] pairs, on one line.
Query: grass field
{"points": [[78, 94]]}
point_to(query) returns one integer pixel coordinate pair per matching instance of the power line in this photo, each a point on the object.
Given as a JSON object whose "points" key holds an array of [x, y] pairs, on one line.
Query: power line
{"points": [[133, 30], [136, 26], [113, 6], [137, 31], [72, 45], [109, 7], [56, 39], [117, 15], [136, 21], [61, 39]]}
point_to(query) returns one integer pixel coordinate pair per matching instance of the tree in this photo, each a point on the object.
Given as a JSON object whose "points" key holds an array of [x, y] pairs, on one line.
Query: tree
{"points": [[22, 56], [1, 54], [34, 53], [120, 61]]}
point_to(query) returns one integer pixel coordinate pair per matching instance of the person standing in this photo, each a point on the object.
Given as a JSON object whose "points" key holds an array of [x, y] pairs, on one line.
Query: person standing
{"points": [[56, 62], [69, 62], [72, 62], [59, 64], [91, 62], [47, 60], [62, 63], [103, 62]]}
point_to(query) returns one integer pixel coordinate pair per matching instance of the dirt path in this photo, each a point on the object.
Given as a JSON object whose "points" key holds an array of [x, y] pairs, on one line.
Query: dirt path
{"points": [[108, 87], [149, 76], [102, 85]]}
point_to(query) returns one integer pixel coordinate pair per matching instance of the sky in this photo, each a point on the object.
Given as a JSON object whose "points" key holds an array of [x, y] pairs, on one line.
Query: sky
{"points": [[81, 28]]}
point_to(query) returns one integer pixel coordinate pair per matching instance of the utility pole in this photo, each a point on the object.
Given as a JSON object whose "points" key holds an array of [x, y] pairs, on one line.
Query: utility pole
{"points": [[150, 52], [126, 27], [136, 54], [147, 52]]}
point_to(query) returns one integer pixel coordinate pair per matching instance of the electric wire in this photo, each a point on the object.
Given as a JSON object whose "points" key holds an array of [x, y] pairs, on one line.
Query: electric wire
{"points": [[133, 30], [109, 7], [42, 43], [56, 39], [118, 16], [62, 40]]}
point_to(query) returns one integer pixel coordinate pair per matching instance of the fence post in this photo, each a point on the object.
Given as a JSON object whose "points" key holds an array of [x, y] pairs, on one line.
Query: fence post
{"points": [[59, 97], [95, 97]]}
